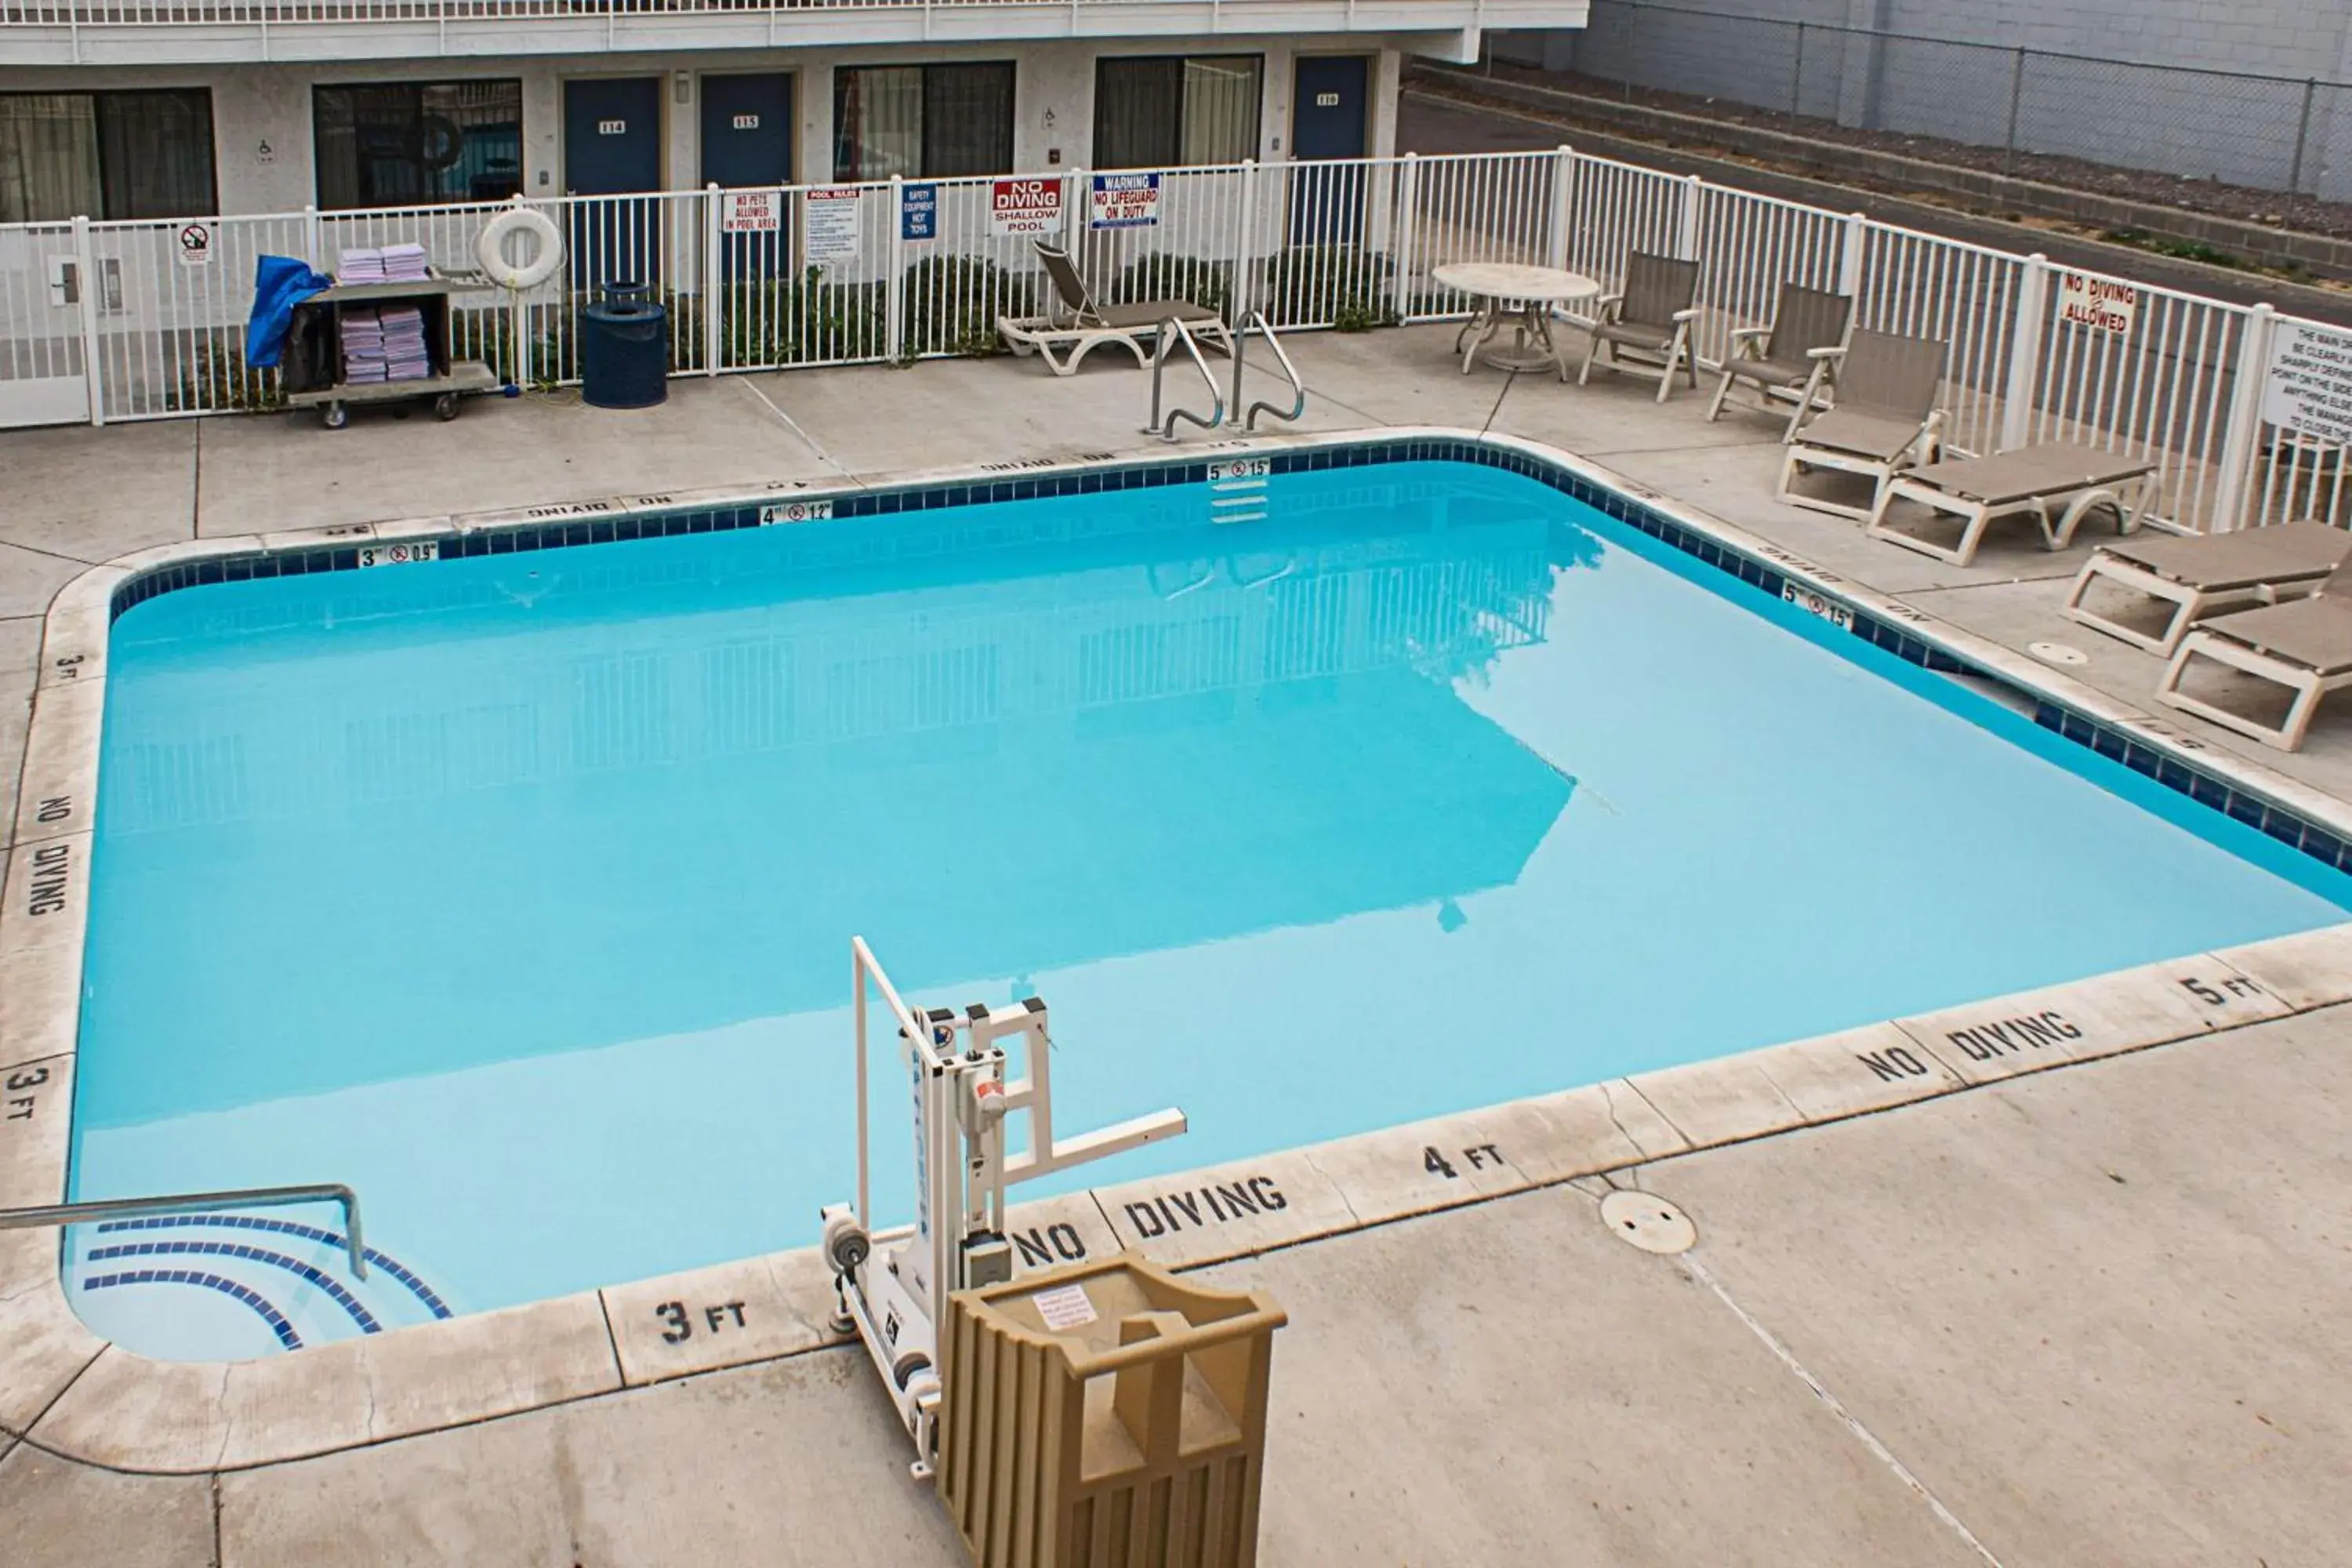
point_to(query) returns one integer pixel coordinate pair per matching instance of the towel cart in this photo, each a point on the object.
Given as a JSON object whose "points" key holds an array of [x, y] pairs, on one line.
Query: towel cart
{"points": [[314, 370]]}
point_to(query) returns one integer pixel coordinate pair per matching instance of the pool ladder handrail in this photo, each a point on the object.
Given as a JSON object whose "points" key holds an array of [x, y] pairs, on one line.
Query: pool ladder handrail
{"points": [[201, 1203], [1174, 327], [1298, 387]]}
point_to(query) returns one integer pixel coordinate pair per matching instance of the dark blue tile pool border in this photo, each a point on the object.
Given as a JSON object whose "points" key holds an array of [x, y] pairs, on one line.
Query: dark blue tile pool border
{"points": [[608, 524]]}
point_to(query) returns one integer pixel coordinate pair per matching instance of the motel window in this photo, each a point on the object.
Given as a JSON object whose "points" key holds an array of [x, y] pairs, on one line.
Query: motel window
{"points": [[1161, 112], [414, 143], [923, 122], [106, 155]]}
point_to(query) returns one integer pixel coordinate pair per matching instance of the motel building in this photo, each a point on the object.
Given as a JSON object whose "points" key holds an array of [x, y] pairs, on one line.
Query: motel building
{"points": [[125, 110]]}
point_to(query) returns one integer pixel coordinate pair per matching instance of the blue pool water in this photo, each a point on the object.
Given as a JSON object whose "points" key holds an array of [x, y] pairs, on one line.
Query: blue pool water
{"points": [[517, 891]]}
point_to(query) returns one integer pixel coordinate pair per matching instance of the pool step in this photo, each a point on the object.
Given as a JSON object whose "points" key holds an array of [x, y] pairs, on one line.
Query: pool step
{"points": [[294, 1280], [1241, 497]]}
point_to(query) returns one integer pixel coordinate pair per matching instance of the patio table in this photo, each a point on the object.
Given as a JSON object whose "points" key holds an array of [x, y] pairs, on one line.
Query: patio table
{"points": [[1516, 296]]}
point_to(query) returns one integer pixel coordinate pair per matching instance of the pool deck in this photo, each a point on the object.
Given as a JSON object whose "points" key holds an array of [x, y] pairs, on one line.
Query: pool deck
{"points": [[2083, 1315]]}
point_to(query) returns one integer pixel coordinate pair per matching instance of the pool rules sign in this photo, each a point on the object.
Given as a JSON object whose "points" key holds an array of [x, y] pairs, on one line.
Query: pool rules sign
{"points": [[2309, 387]]}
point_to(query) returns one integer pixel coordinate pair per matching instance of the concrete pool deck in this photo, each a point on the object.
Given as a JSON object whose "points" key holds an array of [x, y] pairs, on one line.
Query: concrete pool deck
{"points": [[2075, 1316]]}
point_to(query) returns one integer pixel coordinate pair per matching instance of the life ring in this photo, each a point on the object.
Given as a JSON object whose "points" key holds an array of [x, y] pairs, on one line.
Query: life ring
{"points": [[439, 142], [547, 251]]}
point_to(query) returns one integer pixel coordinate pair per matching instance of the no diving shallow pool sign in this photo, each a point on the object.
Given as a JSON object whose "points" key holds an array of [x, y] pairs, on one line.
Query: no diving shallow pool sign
{"points": [[1026, 206], [196, 245]]}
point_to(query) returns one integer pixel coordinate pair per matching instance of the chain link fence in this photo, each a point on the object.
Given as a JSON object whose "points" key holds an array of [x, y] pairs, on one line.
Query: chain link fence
{"points": [[2273, 134]]}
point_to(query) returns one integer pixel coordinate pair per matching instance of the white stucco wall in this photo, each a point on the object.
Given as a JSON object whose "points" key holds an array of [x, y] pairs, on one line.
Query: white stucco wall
{"points": [[262, 132]]}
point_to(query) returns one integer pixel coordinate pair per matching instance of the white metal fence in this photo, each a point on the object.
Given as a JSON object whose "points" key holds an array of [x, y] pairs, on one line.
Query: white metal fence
{"points": [[104, 321]]}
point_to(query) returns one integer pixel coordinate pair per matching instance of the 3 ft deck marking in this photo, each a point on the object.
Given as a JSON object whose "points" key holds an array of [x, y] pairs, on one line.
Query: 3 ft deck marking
{"points": [[680, 1323]]}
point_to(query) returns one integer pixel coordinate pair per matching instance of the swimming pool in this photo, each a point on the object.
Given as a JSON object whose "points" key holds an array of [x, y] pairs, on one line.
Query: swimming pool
{"points": [[514, 890]]}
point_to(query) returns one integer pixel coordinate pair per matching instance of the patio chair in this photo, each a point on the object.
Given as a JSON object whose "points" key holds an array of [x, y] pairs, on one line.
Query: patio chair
{"points": [[2305, 645], [1795, 353], [1885, 420], [1650, 318], [2194, 577], [1074, 324], [2049, 477]]}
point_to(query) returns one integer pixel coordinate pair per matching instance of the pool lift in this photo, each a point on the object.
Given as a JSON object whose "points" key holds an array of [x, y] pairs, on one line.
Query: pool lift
{"points": [[892, 1285]]}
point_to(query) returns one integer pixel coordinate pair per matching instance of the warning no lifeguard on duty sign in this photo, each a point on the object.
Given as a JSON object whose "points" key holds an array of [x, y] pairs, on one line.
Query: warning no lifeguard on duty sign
{"points": [[1030, 206]]}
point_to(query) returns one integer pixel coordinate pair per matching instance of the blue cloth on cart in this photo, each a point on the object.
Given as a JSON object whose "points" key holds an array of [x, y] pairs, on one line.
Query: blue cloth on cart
{"points": [[279, 283]]}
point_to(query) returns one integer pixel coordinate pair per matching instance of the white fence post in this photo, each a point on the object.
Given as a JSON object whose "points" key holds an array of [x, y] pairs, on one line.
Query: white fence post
{"points": [[714, 245], [312, 248], [1408, 188], [2244, 430], [2024, 351], [85, 273], [895, 343], [1853, 244], [1563, 184], [1687, 224]]}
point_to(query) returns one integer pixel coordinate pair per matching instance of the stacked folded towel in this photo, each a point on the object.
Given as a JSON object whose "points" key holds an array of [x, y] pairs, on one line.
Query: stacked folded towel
{"points": [[360, 266], [363, 354], [404, 264], [406, 357]]}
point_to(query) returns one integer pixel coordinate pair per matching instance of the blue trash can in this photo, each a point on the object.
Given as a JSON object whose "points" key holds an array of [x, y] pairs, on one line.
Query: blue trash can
{"points": [[624, 348]]}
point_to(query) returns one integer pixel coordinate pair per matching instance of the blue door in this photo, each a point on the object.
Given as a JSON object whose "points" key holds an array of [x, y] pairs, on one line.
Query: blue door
{"points": [[613, 146], [746, 139], [1328, 100]]}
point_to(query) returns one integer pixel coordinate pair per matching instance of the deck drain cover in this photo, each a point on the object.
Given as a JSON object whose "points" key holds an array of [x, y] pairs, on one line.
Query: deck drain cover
{"points": [[1648, 1221], [2057, 653]]}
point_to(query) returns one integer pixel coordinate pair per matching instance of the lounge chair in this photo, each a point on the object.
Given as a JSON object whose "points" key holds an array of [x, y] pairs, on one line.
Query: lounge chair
{"points": [[1793, 354], [2305, 645], [2198, 577], [1886, 419], [1074, 324], [2051, 476], [1652, 317]]}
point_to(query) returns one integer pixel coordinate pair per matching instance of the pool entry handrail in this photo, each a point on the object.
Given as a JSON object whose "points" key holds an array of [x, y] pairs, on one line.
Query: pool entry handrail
{"points": [[202, 1203], [1298, 387], [1174, 330]]}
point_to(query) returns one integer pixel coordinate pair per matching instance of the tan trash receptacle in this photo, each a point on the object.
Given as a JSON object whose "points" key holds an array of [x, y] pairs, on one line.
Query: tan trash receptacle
{"points": [[1106, 1416]]}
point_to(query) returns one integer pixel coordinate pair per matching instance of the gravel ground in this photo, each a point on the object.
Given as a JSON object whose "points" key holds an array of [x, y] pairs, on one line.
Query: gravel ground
{"points": [[2273, 209]]}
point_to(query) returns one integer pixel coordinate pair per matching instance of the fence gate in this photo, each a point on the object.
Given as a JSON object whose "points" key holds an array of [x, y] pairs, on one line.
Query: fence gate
{"points": [[44, 357]]}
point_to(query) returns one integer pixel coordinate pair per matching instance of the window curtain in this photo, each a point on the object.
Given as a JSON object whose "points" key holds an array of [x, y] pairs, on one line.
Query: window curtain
{"points": [[1221, 99], [156, 153], [967, 120], [48, 158], [878, 122], [1138, 110]]}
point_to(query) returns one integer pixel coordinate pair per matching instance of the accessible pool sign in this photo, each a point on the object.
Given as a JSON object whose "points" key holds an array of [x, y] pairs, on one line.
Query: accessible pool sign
{"points": [[750, 212], [2309, 388], [2096, 303], [1124, 201], [1029, 206], [831, 223], [919, 212]]}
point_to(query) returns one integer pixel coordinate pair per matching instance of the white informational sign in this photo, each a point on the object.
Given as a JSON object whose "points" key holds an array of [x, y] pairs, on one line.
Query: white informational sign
{"points": [[1124, 201], [2096, 303], [775, 512], [1030, 206], [196, 245], [750, 212], [2309, 387], [1829, 609], [403, 552], [1065, 1307], [832, 224]]}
